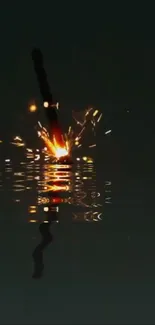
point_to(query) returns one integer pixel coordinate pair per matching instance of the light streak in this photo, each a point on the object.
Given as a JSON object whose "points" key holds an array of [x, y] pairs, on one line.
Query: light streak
{"points": [[108, 132]]}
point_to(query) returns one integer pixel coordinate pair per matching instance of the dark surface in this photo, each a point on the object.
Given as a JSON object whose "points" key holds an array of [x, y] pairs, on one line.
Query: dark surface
{"points": [[99, 273], [94, 272]]}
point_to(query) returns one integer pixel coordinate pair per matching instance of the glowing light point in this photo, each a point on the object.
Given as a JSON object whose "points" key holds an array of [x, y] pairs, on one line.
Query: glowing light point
{"points": [[46, 104], [32, 108], [46, 209]]}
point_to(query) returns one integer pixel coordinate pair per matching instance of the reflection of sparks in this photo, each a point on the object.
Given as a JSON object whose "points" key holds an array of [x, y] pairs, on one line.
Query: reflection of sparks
{"points": [[64, 185], [32, 209], [29, 150], [17, 138], [55, 188], [37, 157], [19, 188], [18, 142], [88, 216]]}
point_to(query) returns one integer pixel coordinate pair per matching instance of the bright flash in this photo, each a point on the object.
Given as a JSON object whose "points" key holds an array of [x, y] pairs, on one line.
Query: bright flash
{"points": [[54, 149], [61, 152]]}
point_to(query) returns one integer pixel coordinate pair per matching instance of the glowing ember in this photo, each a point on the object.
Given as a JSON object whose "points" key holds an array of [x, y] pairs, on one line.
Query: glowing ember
{"points": [[32, 108]]}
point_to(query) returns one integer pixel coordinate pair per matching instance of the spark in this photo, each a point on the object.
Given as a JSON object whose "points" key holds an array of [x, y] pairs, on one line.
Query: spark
{"points": [[33, 108], [18, 144], [69, 129], [95, 113], [54, 149], [81, 132], [39, 124], [72, 138], [99, 118], [107, 132]]}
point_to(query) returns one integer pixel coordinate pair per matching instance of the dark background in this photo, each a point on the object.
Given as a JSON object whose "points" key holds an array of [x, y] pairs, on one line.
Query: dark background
{"points": [[103, 56]]}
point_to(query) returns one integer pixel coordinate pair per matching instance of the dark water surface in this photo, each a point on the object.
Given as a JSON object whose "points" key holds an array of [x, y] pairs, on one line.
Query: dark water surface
{"points": [[98, 267]]}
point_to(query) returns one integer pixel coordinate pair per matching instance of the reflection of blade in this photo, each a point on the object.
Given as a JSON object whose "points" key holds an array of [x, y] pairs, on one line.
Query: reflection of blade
{"points": [[47, 237]]}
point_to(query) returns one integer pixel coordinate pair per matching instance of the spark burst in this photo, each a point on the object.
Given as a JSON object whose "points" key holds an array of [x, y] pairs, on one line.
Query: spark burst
{"points": [[74, 136]]}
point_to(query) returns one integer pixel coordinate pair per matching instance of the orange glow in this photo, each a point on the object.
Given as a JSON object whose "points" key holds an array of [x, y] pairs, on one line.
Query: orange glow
{"points": [[32, 108], [53, 146]]}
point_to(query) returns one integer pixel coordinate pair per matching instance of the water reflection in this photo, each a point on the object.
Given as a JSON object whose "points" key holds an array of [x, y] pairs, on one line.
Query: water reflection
{"points": [[47, 237], [46, 187]]}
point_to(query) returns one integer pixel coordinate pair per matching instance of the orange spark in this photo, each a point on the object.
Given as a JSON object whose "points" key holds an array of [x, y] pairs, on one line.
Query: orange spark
{"points": [[54, 148]]}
